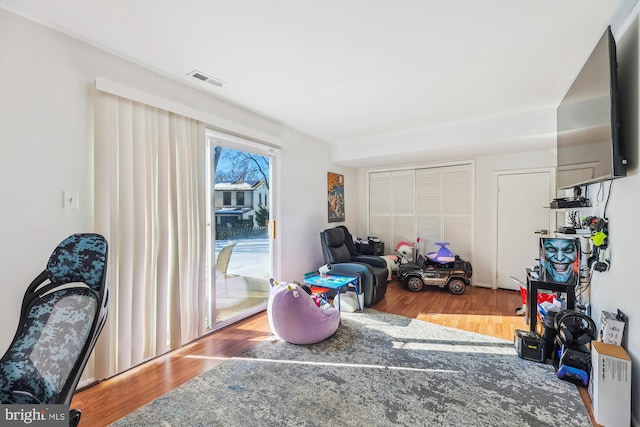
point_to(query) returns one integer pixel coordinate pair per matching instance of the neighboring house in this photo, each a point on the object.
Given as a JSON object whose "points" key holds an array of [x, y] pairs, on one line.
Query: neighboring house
{"points": [[235, 201]]}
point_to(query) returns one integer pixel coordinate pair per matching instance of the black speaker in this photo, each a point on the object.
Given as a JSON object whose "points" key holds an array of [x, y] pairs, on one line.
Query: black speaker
{"points": [[529, 345]]}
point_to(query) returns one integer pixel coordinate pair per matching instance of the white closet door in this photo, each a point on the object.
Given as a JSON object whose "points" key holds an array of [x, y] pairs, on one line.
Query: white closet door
{"points": [[403, 208], [444, 211], [380, 206], [429, 207], [435, 204], [458, 199]]}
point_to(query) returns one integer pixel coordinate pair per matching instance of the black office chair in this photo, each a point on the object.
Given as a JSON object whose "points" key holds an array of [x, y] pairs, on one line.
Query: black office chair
{"points": [[63, 312], [339, 250]]}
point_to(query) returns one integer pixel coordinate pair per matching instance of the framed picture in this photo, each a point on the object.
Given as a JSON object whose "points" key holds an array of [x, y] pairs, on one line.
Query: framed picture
{"points": [[335, 197], [560, 260]]}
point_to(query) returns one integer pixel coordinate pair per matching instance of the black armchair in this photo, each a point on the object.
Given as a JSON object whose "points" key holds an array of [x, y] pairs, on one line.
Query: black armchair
{"points": [[63, 312], [340, 252]]}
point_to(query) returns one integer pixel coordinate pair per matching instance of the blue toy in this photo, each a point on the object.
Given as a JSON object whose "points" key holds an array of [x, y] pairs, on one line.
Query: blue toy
{"points": [[574, 374]]}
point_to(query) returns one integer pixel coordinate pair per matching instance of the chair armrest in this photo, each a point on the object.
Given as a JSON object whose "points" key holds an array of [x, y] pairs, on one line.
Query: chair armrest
{"points": [[372, 260], [22, 397], [351, 269]]}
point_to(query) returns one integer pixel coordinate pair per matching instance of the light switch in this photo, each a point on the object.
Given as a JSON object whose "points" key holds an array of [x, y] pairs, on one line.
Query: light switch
{"points": [[71, 200]]}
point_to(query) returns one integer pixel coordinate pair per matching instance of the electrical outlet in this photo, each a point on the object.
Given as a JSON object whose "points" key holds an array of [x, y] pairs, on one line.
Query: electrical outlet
{"points": [[71, 200]]}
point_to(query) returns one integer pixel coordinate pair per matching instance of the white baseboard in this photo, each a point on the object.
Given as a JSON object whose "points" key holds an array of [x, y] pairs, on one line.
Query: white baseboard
{"points": [[482, 285]]}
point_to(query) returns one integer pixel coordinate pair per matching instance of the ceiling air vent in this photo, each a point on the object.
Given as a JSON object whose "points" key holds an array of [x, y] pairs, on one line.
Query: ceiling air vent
{"points": [[208, 79]]}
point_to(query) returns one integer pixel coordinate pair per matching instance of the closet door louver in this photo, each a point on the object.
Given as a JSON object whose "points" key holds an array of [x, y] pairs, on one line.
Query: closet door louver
{"points": [[380, 206], [458, 197], [429, 183], [444, 208], [403, 208]]}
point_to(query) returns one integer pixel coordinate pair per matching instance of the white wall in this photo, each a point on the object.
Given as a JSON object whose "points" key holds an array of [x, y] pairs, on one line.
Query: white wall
{"points": [[619, 287], [517, 132], [303, 203], [46, 148]]}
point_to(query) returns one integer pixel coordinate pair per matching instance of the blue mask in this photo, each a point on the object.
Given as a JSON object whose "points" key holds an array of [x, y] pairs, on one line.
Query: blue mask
{"points": [[559, 258]]}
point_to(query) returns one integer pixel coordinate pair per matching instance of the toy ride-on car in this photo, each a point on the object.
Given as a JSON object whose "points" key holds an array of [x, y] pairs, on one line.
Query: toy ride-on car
{"points": [[442, 269]]}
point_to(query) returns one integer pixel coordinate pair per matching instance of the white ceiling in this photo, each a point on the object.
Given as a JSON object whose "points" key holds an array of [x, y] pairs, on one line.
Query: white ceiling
{"points": [[349, 70]]}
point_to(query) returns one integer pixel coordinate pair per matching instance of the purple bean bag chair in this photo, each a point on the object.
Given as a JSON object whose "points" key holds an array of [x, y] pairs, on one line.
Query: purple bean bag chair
{"points": [[294, 316]]}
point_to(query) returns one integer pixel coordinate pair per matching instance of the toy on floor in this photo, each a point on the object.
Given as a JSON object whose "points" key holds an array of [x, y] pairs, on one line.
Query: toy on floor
{"points": [[404, 252], [295, 317], [443, 256], [542, 297], [442, 269]]}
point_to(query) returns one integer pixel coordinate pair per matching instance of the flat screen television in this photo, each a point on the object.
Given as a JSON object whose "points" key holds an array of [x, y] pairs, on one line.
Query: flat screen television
{"points": [[589, 145]]}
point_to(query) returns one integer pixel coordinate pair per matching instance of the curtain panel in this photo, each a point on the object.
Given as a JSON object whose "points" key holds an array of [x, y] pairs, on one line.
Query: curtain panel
{"points": [[150, 204]]}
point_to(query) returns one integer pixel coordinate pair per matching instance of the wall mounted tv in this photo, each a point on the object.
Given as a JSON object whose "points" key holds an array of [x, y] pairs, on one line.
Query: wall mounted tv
{"points": [[589, 147]]}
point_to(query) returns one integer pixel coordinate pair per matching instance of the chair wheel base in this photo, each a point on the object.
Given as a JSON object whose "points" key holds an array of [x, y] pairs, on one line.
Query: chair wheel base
{"points": [[74, 417]]}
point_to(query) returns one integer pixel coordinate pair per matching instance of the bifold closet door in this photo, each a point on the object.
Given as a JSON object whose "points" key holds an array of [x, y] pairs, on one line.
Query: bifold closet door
{"points": [[403, 208], [445, 208], [434, 204], [392, 207], [380, 207]]}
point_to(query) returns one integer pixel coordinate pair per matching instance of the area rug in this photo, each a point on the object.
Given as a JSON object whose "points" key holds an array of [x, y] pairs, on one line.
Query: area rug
{"points": [[378, 369]]}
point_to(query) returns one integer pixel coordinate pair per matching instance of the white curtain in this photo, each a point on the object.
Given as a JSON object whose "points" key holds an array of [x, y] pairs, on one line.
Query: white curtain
{"points": [[150, 204]]}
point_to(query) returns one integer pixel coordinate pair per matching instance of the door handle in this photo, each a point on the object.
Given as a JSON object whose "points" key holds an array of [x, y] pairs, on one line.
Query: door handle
{"points": [[542, 232], [271, 229]]}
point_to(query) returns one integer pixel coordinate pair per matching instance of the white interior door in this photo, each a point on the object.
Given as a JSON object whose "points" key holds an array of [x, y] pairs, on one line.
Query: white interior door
{"points": [[523, 217]]}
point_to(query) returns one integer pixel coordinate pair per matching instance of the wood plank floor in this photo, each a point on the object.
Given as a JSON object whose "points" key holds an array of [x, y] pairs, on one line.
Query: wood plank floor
{"points": [[486, 311]]}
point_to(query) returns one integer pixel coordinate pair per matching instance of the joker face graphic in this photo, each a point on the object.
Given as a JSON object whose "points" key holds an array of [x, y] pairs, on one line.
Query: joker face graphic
{"points": [[559, 257]]}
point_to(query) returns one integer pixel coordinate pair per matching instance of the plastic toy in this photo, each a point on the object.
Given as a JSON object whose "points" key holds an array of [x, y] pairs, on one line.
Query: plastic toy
{"points": [[443, 256], [295, 317], [574, 374], [405, 252], [442, 269]]}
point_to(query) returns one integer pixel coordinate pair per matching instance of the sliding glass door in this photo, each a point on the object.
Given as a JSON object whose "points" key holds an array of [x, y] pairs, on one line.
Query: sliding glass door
{"points": [[240, 224]]}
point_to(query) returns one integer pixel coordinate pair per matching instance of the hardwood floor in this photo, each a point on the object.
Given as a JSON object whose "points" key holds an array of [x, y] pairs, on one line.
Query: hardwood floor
{"points": [[111, 399], [486, 311]]}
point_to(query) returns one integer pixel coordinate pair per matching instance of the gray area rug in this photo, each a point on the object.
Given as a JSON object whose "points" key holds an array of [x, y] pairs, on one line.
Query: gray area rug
{"points": [[378, 369]]}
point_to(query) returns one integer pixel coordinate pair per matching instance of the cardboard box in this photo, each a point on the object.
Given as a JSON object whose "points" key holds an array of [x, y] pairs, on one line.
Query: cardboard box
{"points": [[610, 384], [611, 328], [348, 301]]}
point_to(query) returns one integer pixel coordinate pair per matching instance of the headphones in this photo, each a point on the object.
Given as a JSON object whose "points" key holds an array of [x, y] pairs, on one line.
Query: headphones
{"points": [[574, 328]]}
